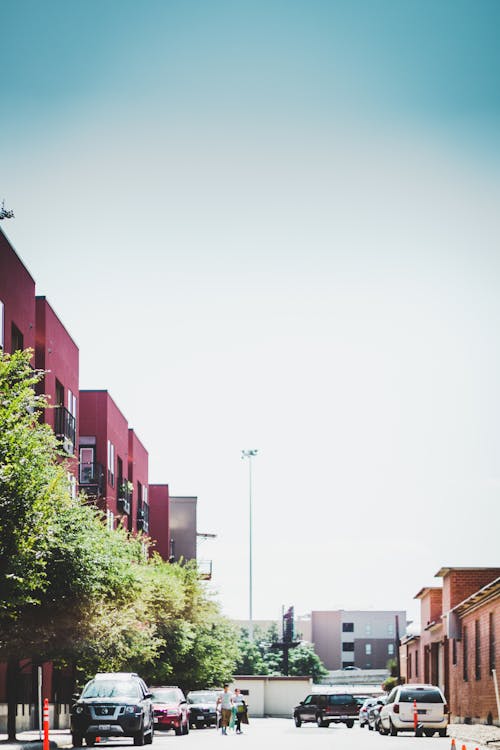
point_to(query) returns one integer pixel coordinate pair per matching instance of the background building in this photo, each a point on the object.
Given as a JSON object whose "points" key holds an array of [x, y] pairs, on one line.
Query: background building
{"points": [[356, 638]]}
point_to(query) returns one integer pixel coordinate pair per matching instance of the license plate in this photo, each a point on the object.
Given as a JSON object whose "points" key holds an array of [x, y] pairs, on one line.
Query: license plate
{"points": [[155, 721], [105, 727], [421, 711]]}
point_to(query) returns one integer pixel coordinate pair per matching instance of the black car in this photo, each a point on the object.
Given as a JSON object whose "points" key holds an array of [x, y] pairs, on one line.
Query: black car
{"points": [[202, 708], [326, 709], [114, 704]]}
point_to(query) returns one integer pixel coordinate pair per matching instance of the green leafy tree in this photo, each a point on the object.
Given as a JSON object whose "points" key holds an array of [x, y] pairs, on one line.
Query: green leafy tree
{"points": [[303, 660]]}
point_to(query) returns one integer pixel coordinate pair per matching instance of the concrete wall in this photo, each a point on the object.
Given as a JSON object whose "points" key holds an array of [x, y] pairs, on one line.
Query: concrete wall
{"points": [[272, 696]]}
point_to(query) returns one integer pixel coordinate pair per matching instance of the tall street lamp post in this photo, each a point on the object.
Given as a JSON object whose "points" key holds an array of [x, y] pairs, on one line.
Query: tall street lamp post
{"points": [[250, 454]]}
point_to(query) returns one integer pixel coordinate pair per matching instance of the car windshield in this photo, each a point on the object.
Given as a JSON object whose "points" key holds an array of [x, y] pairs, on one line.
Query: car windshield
{"points": [[202, 697], [111, 689], [421, 695], [165, 695]]}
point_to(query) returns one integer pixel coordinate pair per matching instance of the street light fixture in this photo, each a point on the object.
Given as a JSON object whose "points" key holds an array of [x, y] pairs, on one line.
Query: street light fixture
{"points": [[250, 454]]}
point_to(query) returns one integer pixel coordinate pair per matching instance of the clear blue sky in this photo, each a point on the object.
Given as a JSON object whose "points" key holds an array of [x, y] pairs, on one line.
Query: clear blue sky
{"points": [[275, 225]]}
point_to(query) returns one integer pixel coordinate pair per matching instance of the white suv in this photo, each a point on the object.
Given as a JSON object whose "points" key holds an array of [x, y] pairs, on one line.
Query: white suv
{"points": [[396, 715]]}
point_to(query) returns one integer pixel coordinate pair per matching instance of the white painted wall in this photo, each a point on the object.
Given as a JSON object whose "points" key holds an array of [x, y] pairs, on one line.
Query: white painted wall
{"points": [[273, 696]]}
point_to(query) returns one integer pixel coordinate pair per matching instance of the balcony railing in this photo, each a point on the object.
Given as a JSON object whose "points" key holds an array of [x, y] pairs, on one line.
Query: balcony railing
{"points": [[65, 428], [124, 496], [205, 569], [91, 479], [143, 519]]}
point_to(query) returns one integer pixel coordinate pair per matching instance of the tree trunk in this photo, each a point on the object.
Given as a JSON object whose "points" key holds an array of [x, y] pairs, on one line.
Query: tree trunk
{"points": [[12, 678]]}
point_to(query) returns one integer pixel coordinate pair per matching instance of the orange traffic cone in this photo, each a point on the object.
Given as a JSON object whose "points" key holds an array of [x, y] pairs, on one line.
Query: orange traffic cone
{"points": [[453, 746]]}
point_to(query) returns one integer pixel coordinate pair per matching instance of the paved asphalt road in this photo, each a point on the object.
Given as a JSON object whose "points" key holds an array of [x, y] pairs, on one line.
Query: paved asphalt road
{"points": [[282, 733]]}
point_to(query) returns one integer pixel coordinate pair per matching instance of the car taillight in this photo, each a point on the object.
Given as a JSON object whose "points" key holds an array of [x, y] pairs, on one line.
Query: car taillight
{"points": [[445, 709], [396, 708]]}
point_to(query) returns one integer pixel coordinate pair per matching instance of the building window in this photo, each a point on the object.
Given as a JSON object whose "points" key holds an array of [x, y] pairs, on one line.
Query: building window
{"points": [[17, 339], [2, 342], [454, 652], [416, 663], [492, 643], [368, 629], [368, 649], [408, 666], [390, 628], [111, 463], [477, 650], [390, 649], [465, 654], [348, 627], [348, 647]]}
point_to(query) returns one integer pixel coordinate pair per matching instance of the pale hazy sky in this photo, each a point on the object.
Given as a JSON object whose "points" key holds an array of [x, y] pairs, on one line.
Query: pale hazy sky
{"points": [[276, 225]]}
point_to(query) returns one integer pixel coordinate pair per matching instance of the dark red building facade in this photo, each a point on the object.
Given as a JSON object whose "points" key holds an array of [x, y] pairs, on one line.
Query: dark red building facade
{"points": [[57, 354], [17, 301], [138, 479], [103, 457], [159, 519]]}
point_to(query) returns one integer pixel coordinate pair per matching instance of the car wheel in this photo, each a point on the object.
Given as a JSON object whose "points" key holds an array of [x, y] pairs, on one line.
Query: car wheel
{"points": [[319, 721], [442, 732], [178, 731], [139, 738], [149, 738], [185, 728], [77, 740], [392, 729], [90, 740], [349, 724], [381, 729], [429, 732], [370, 728], [297, 720]]}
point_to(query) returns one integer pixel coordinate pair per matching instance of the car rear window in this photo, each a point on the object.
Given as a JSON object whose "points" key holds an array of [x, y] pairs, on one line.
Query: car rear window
{"points": [[341, 700], [202, 697], [421, 695]]}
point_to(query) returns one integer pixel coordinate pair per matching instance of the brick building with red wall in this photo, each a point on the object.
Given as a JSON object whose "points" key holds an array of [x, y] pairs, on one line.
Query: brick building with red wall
{"points": [[458, 645]]}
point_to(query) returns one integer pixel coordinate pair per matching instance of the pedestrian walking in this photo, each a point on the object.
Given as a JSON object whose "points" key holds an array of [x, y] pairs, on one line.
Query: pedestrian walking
{"points": [[241, 710], [225, 701]]}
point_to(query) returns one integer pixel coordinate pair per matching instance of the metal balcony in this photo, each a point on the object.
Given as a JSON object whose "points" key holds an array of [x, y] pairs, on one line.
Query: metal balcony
{"points": [[124, 497], [205, 569], [91, 479], [143, 519], [65, 428]]}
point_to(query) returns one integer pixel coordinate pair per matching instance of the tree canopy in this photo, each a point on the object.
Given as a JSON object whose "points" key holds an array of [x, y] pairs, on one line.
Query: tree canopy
{"points": [[76, 592]]}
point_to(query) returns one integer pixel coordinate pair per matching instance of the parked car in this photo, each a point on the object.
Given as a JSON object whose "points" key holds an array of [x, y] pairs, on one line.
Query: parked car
{"points": [[396, 715], [202, 708], [326, 709], [113, 704], [363, 711], [373, 714], [171, 710]]}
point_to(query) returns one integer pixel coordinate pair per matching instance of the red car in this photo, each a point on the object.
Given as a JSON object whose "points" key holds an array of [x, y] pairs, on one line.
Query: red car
{"points": [[171, 710]]}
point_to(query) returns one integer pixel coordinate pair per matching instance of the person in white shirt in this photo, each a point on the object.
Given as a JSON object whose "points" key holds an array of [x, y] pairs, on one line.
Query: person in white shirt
{"points": [[241, 710], [225, 701]]}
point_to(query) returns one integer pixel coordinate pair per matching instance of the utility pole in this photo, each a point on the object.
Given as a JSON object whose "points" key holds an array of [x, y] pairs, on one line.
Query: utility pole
{"points": [[250, 454]]}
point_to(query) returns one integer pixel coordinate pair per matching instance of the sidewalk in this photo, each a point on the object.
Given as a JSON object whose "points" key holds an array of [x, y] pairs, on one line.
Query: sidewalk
{"points": [[475, 735], [30, 740]]}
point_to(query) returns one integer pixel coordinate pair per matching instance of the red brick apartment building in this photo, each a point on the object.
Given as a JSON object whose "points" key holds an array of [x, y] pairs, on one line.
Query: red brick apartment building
{"points": [[458, 647], [138, 480]]}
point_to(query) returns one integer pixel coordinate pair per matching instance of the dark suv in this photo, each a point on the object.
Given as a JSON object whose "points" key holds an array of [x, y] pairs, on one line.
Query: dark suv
{"points": [[113, 704], [326, 709]]}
